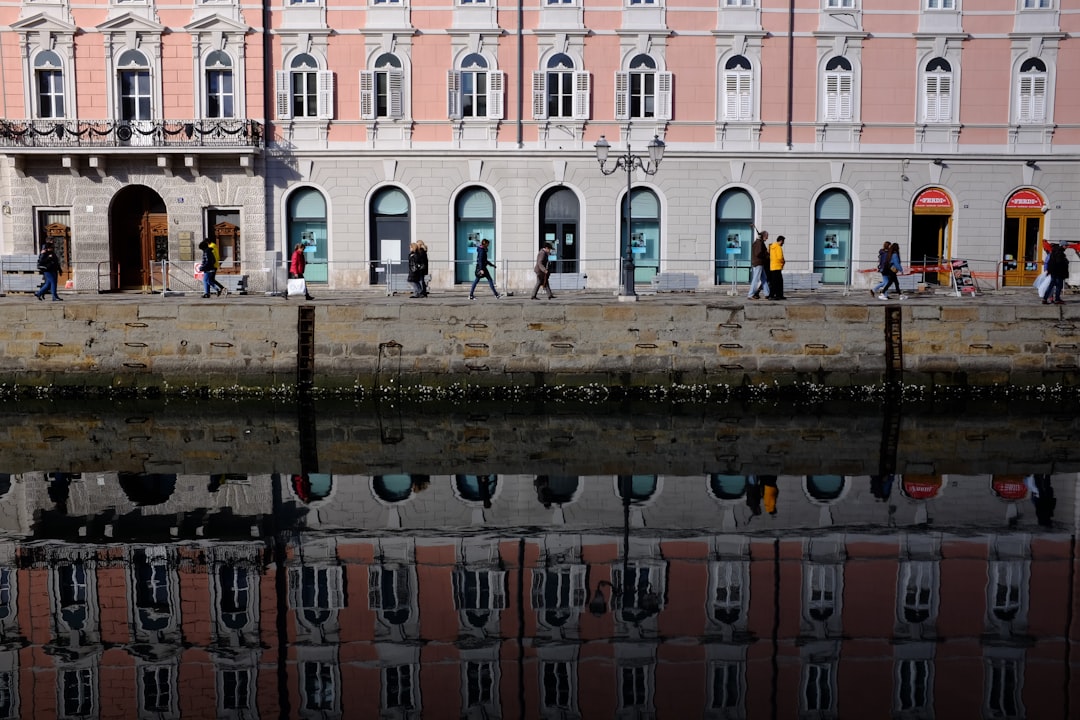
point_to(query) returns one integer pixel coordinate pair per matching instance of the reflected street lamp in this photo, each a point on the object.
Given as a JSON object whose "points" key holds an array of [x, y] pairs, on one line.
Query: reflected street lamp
{"points": [[628, 162]]}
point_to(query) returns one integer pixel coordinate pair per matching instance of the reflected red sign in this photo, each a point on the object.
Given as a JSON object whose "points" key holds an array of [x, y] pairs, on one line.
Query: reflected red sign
{"points": [[935, 199], [921, 488], [1009, 488], [1025, 200]]}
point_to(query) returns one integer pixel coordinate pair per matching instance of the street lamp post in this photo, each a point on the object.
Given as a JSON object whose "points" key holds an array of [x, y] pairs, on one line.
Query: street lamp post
{"points": [[628, 162]]}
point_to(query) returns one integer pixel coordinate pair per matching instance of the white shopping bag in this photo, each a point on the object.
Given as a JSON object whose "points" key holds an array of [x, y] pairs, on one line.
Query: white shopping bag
{"points": [[1042, 283], [297, 286]]}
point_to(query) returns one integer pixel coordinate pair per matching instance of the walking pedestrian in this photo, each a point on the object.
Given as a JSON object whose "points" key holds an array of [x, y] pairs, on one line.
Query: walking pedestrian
{"points": [[543, 272], [776, 270], [759, 266], [48, 264], [481, 272], [208, 267], [415, 271], [892, 269], [882, 267], [1057, 267], [421, 249], [297, 266]]}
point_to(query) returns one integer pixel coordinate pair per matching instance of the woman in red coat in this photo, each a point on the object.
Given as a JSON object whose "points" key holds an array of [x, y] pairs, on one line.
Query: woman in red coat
{"points": [[297, 263]]}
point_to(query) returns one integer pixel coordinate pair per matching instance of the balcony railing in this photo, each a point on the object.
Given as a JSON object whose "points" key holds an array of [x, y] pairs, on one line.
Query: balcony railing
{"points": [[184, 134]]}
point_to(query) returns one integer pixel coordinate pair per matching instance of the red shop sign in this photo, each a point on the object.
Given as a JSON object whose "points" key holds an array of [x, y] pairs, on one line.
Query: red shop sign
{"points": [[921, 489], [1026, 200], [933, 199], [1009, 488]]}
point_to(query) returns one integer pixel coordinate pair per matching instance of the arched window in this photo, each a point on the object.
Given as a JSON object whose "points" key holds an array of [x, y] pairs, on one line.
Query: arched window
{"points": [[734, 234], [1031, 100], [727, 487], [642, 91], [475, 91], [937, 91], [832, 237], [738, 89], [304, 90], [559, 220], [839, 88], [306, 224], [560, 91], [392, 488], [49, 83], [381, 89], [220, 100], [133, 76], [474, 220]]}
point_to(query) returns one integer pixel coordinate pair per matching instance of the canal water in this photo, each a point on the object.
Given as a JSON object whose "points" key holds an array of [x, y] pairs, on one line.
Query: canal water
{"points": [[333, 559]]}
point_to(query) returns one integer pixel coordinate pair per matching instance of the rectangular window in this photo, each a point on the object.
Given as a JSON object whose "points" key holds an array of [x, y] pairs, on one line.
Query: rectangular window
{"points": [[50, 94], [134, 95], [235, 691], [1032, 106], [77, 693], [838, 100], [940, 4], [560, 87], [848, 4], [305, 94], [1036, 5], [739, 3], [737, 97], [219, 94], [474, 94], [642, 95], [938, 98]]}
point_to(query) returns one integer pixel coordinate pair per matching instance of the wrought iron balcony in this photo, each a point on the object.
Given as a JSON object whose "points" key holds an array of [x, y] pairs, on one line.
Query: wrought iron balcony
{"points": [[99, 134]]}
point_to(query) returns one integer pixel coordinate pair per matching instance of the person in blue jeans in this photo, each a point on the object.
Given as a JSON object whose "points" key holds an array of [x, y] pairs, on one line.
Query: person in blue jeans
{"points": [[49, 265], [482, 265]]}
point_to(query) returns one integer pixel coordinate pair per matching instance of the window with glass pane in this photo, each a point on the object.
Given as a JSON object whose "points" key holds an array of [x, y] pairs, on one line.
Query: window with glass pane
{"points": [[304, 94], [134, 95], [560, 87], [50, 85], [643, 87], [219, 85], [474, 87]]}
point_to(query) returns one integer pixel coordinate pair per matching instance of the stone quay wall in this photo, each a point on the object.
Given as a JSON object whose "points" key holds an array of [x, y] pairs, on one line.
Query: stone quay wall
{"points": [[254, 343]]}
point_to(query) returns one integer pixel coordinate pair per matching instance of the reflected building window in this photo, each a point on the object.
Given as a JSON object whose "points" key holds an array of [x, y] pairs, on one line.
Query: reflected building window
{"points": [[639, 590], [152, 590], [319, 688], [918, 593], [821, 592], [636, 488], [78, 693], [234, 596], [9, 695], [479, 687], [1007, 581], [558, 688], [157, 691], [558, 594], [479, 489], [72, 595], [557, 489], [390, 593], [819, 692], [825, 488], [727, 689], [727, 487], [729, 583], [914, 688], [317, 593], [399, 688], [477, 593], [1004, 683], [235, 692], [392, 488], [636, 689]]}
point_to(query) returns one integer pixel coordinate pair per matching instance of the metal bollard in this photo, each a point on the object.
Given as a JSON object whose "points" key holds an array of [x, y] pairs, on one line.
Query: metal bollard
{"points": [[628, 275]]}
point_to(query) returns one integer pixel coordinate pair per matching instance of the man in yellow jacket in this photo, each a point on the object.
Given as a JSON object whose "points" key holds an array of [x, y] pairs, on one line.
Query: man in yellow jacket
{"points": [[776, 267]]}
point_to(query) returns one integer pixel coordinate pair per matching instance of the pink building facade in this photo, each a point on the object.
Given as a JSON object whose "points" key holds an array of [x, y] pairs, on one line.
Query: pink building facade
{"points": [[947, 126]]}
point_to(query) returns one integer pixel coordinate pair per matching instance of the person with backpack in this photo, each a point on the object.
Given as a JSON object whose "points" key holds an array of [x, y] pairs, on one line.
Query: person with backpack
{"points": [[883, 268], [48, 264], [208, 267], [892, 269], [1057, 267]]}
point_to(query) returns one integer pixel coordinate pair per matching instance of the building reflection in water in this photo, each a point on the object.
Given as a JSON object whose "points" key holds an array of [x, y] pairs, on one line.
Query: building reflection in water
{"points": [[485, 596]]}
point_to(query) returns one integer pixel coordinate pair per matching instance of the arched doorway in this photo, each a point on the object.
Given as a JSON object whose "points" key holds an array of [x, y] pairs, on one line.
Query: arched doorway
{"points": [[1022, 251], [734, 234], [391, 234], [643, 235], [832, 237], [138, 238], [558, 225], [474, 220], [931, 230], [306, 225]]}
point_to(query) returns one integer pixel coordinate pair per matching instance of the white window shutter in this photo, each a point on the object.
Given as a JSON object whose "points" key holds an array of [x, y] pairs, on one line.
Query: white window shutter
{"points": [[283, 94], [539, 90], [1038, 99], [453, 94], [496, 82], [944, 110], [746, 96], [582, 94], [664, 81], [622, 95], [367, 94], [930, 90], [396, 83], [325, 100], [846, 99]]}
